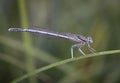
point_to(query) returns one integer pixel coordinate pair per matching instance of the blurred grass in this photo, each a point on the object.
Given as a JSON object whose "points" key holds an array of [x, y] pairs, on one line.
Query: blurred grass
{"points": [[27, 40], [21, 53]]}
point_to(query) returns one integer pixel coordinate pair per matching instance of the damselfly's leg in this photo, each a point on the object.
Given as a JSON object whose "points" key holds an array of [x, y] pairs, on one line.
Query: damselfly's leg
{"points": [[81, 51], [91, 49], [79, 48], [72, 51]]}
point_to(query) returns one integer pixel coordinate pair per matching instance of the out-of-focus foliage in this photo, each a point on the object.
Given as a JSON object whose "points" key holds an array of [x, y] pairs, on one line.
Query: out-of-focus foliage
{"points": [[97, 18]]}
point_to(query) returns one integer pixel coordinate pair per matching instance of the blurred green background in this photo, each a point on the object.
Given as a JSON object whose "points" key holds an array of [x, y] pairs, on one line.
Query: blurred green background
{"points": [[21, 53]]}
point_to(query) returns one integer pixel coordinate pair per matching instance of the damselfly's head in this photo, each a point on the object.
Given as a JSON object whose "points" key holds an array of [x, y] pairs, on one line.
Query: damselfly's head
{"points": [[89, 40]]}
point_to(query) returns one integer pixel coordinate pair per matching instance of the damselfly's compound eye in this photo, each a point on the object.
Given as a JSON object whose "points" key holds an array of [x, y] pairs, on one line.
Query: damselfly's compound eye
{"points": [[90, 39]]}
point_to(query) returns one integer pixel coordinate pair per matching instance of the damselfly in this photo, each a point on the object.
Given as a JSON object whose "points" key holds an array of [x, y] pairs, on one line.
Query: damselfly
{"points": [[74, 37]]}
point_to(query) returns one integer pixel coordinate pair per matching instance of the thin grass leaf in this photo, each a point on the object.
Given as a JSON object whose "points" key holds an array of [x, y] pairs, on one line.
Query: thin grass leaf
{"points": [[63, 62]]}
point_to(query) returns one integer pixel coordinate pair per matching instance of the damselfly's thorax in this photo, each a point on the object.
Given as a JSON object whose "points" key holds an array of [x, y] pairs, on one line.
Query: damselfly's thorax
{"points": [[80, 38]]}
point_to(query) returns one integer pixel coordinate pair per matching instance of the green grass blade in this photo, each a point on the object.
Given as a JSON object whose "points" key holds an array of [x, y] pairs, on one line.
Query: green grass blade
{"points": [[63, 62]]}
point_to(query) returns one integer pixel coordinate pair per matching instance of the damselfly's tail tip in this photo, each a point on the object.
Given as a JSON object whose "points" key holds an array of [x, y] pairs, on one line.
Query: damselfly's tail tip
{"points": [[11, 29], [15, 29]]}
